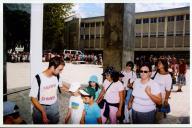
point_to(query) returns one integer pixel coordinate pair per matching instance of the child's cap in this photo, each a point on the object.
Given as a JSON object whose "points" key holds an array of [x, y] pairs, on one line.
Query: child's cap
{"points": [[93, 78], [74, 87], [88, 91], [9, 108]]}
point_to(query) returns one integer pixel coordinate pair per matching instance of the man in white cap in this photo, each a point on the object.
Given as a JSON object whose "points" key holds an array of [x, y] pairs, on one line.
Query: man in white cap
{"points": [[76, 105]]}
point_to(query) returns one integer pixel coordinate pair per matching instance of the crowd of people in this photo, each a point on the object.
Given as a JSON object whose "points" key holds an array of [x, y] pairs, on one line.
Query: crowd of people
{"points": [[15, 57], [139, 94], [69, 58]]}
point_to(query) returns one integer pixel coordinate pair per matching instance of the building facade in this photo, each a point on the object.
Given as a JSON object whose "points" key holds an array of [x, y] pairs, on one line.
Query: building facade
{"points": [[157, 32]]}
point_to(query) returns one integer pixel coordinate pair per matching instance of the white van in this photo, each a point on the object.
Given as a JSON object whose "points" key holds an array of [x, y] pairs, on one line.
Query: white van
{"points": [[72, 52]]}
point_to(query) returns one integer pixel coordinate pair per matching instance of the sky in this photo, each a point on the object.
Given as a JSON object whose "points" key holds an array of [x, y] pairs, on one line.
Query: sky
{"points": [[97, 9]]}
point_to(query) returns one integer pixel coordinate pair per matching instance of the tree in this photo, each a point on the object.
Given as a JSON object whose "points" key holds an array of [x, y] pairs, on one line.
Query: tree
{"points": [[53, 25], [17, 24]]}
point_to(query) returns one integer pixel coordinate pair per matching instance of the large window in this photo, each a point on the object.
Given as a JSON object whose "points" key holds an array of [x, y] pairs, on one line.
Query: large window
{"points": [[86, 24], [179, 17], [92, 24], [161, 19], [138, 21], [153, 20], [187, 17], [82, 25], [145, 20], [97, 24], [170, 18]]}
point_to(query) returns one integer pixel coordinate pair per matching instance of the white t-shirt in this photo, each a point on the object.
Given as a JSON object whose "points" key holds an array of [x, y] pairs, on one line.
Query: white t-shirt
{"points": [[142, 102], [128, 75], [48, 89], [112, 94], [165, 82], [77, 106]]}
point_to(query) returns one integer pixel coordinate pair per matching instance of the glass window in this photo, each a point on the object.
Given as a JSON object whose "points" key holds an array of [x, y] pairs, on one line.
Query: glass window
{"points": [[92, 24], [179, 17], [161, 19], [86, 24], [145, 20], [187, 16], [82, 25], [97, 36], [86, 37], [138, 21], [102, 23], [170, 18], [153, 20], [82, 36], [97, 24], [92, 36]]}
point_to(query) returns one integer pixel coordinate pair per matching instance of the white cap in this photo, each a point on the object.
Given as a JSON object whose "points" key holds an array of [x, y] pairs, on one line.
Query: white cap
{"points": [[83, 92], [74, 87]]}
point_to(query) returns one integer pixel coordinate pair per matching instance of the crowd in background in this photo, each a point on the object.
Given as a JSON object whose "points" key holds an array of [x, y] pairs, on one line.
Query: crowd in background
{"points": [[14, 57]]}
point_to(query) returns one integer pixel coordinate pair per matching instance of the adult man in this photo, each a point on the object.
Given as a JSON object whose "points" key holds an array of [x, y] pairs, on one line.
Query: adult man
{"points": [[43, 93]]}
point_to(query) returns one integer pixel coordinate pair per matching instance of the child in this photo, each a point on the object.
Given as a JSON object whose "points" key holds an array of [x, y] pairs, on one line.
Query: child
{"points": [[93, 82], [76, 105], [92, 112]]}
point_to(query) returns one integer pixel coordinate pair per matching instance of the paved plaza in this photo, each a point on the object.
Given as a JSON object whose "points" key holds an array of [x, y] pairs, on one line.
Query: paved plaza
{"points": [[18, 75]]}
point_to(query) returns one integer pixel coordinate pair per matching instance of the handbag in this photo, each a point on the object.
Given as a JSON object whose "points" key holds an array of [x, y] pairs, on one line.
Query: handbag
{"points": [[102, 102]]}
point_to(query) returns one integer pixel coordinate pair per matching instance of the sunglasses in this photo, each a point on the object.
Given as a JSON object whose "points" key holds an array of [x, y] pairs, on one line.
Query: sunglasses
{"points": [[142, 71]]}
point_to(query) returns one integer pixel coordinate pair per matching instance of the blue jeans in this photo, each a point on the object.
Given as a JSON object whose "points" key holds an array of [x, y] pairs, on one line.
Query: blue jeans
{"points": [[143, 117], [52, 112]]}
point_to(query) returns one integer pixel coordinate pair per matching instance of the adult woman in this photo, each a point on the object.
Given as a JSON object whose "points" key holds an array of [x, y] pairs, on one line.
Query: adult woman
{"points": [[146, 94], [163, 78], [113, 97], [128, 79]]}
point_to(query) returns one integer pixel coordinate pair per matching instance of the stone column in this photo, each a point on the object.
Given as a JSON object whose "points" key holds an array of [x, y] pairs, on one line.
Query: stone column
{"points": [[119, 34], [36, 39]]}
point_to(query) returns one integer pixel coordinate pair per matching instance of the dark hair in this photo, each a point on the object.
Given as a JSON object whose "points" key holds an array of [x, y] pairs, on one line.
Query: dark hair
{"points": [[109, 70], [96, 88], [56, 61], [165, 64], [131, 64], [115, 76], [147, 64]]}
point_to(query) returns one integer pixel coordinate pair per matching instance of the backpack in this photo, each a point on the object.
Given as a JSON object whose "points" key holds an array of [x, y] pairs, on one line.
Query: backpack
{"points": [[39, 83]]}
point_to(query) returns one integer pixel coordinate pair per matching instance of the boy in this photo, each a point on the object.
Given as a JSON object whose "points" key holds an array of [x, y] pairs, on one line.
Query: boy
{"points": [[92, 112], [76, 105]]}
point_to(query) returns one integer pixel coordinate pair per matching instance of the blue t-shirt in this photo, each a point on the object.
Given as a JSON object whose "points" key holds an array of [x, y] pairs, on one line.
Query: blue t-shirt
{"points": [[92, 113]]}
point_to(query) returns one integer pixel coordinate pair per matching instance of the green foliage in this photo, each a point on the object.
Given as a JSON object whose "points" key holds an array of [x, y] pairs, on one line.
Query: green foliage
{"points": [[53, 25], [16, 26]]}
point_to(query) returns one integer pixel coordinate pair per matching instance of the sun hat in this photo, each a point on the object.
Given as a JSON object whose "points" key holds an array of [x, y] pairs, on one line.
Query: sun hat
{"points": [[93, 78]]}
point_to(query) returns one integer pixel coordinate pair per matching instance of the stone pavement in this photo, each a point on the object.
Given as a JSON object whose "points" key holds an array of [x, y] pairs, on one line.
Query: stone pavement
{"points": [[179, 101]]}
